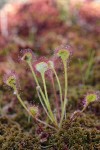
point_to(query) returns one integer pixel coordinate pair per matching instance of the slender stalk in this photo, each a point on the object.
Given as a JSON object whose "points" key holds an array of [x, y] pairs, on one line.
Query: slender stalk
{"points": [[84, 108], [65, 95], [55, 95], [49, 107], [22, 103], [29, 118], [66, 81], [45, 88], [59, 85], [33, 73], [43, 105]]}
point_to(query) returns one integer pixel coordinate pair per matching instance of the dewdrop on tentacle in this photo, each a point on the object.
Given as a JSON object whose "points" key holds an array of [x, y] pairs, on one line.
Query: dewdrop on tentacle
{"points": [[11, 80]]}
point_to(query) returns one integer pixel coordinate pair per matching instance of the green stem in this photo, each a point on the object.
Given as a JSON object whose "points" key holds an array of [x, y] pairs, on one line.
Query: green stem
{"points": [[45, 88], [33, 73], [22, 103], [48, 106], [84, 108], [59, 85], [66, 81], [65, 95], [43, 105], [56, 99]]}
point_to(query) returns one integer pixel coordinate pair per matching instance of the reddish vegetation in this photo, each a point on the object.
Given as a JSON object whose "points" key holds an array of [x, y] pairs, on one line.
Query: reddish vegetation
{"points": [[44, 14], [91, 11], [41, 19]]}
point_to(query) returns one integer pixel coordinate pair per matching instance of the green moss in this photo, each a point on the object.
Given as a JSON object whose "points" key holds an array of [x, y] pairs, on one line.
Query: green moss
{"points": [[22, 119], [12, 137], [80, 135]]}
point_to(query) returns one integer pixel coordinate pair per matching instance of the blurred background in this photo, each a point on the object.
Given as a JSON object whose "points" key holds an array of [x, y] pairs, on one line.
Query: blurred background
{"points": [[44, 25]]}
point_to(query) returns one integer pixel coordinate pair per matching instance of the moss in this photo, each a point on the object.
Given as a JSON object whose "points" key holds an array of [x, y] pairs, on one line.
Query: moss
{"points": [[22, 119], [12, 137], [80, 135]]}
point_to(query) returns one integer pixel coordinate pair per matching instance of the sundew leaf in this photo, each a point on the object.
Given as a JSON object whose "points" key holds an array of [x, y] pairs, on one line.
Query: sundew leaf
{"points": [[64, 54], [91, 97], [42, 67]]}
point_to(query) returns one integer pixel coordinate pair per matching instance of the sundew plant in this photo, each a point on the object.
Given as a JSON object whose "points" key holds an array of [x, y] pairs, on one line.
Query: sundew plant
{"points": [[44, 68]]}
